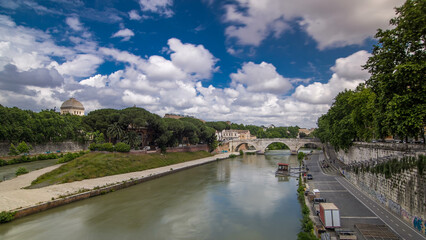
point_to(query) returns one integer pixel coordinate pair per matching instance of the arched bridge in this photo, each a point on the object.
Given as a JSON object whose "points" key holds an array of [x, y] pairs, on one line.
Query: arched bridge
{"points": [[262, 143]]}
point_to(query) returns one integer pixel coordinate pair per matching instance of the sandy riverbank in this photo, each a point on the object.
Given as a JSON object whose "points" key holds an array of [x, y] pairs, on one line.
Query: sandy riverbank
{"points": [[13, 197]]}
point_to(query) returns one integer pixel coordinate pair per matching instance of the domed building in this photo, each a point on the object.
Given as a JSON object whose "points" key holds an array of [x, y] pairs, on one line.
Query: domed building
{"points": [[73, 107]]}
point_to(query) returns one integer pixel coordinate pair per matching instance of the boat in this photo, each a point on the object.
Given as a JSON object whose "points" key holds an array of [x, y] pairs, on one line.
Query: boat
{"points": [[282, 169]]}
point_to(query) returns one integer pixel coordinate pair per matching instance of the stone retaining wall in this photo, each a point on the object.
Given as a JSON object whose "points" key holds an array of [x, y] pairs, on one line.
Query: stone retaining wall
{"points": [[404, 194], [362, 151], [68, 146]]}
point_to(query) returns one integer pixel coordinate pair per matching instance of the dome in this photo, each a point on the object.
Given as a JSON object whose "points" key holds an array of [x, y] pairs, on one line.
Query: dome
{"points": [[72, 103]]}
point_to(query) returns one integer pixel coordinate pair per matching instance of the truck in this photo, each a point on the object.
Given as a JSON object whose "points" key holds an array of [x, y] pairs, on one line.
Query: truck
{"points": [[329, 215], [315, 204]]}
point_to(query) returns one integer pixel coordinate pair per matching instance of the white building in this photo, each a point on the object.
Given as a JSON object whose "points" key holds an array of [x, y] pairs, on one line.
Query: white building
{"points": [[232, 134]]}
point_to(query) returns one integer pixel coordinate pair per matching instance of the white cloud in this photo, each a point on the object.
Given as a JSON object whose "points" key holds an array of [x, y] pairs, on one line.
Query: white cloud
{"points": [[331, 23], [161, 7], [82, 65], [130, 97], [192, 59], [134, 15], [126, 34], [160, 84], [161, 69], [348, 74], [97, 81], [261, 77], [74, 23], [27, 48], [123, 56]]}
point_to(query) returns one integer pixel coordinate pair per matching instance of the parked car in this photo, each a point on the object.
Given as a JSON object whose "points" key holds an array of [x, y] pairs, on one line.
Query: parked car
{"points": [[309, 177]]}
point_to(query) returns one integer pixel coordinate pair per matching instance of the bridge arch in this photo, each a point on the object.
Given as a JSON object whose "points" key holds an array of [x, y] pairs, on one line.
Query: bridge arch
{"points": [[244, 146], [278, 145], [261, 144]]}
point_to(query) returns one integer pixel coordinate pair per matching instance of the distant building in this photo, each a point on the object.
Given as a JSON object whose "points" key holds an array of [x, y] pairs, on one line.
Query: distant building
{"points": [[73, 107], [226, 135], [306, 131]]}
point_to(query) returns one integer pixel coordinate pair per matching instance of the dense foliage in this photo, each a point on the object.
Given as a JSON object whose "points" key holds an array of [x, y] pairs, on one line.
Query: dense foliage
{"points": [[122, 126], [24, 158], [307, 232], [271, 132], [18, 125], [398, 70], [351, 117], [393, 101], [104, 125]]}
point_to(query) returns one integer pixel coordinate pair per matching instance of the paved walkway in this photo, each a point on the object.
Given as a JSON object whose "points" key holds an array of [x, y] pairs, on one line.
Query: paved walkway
{"points": [[13, 196]]}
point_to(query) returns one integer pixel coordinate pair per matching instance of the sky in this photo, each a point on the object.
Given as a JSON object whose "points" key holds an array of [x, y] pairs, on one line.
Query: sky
{"points": [[259, 62]]}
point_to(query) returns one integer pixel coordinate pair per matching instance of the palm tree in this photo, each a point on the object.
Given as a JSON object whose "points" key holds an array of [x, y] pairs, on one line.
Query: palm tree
{"points": [[133, 139], [115, 131]]}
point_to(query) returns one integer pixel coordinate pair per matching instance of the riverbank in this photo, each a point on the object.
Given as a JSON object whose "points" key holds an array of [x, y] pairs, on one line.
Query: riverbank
{"points": [[27, 201]]}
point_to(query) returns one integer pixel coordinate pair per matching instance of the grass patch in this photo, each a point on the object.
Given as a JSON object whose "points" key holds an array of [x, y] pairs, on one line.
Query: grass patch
{"points": [[94, 165]]}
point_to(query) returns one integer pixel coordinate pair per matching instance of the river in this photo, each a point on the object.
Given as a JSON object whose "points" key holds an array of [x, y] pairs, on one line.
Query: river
{"points": [[237, 198]]}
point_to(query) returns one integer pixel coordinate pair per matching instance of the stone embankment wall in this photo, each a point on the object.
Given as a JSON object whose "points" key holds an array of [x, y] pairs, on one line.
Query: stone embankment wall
{"points": [[404, 194], [361, 151], [68, 146]]}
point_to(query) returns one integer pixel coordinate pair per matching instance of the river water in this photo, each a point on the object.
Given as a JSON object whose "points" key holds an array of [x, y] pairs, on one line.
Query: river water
{"points": [[9, 171], [236, 198]]}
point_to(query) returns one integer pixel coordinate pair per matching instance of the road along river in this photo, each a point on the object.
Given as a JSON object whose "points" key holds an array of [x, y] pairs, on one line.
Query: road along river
{"points": [[237, 198]]}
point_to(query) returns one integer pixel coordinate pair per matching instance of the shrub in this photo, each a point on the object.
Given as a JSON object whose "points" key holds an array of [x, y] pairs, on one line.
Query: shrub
{"points": [[122, 147], [108, 147], [93, 146], [70, 156], [3, 162], [12, 150], [21, 171], [6, 216], [232, 156], [241, 152]]}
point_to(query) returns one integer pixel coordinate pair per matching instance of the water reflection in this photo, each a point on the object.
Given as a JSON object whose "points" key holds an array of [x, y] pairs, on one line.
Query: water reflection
{"points": [[231, 199]]}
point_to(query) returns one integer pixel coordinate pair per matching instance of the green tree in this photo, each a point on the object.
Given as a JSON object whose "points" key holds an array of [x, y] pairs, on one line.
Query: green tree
{"points": [[363, 112], [114, 131], [398, 70], [176, 129], [23, 147]]}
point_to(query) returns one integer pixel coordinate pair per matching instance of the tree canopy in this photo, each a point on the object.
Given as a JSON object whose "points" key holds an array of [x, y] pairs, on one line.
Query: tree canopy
{"points": [[18, 125], [398, 70], [392, 102]]}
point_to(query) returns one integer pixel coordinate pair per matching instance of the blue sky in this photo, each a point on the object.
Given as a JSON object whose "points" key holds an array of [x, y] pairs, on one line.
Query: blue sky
{"points": [[257, 62]]}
